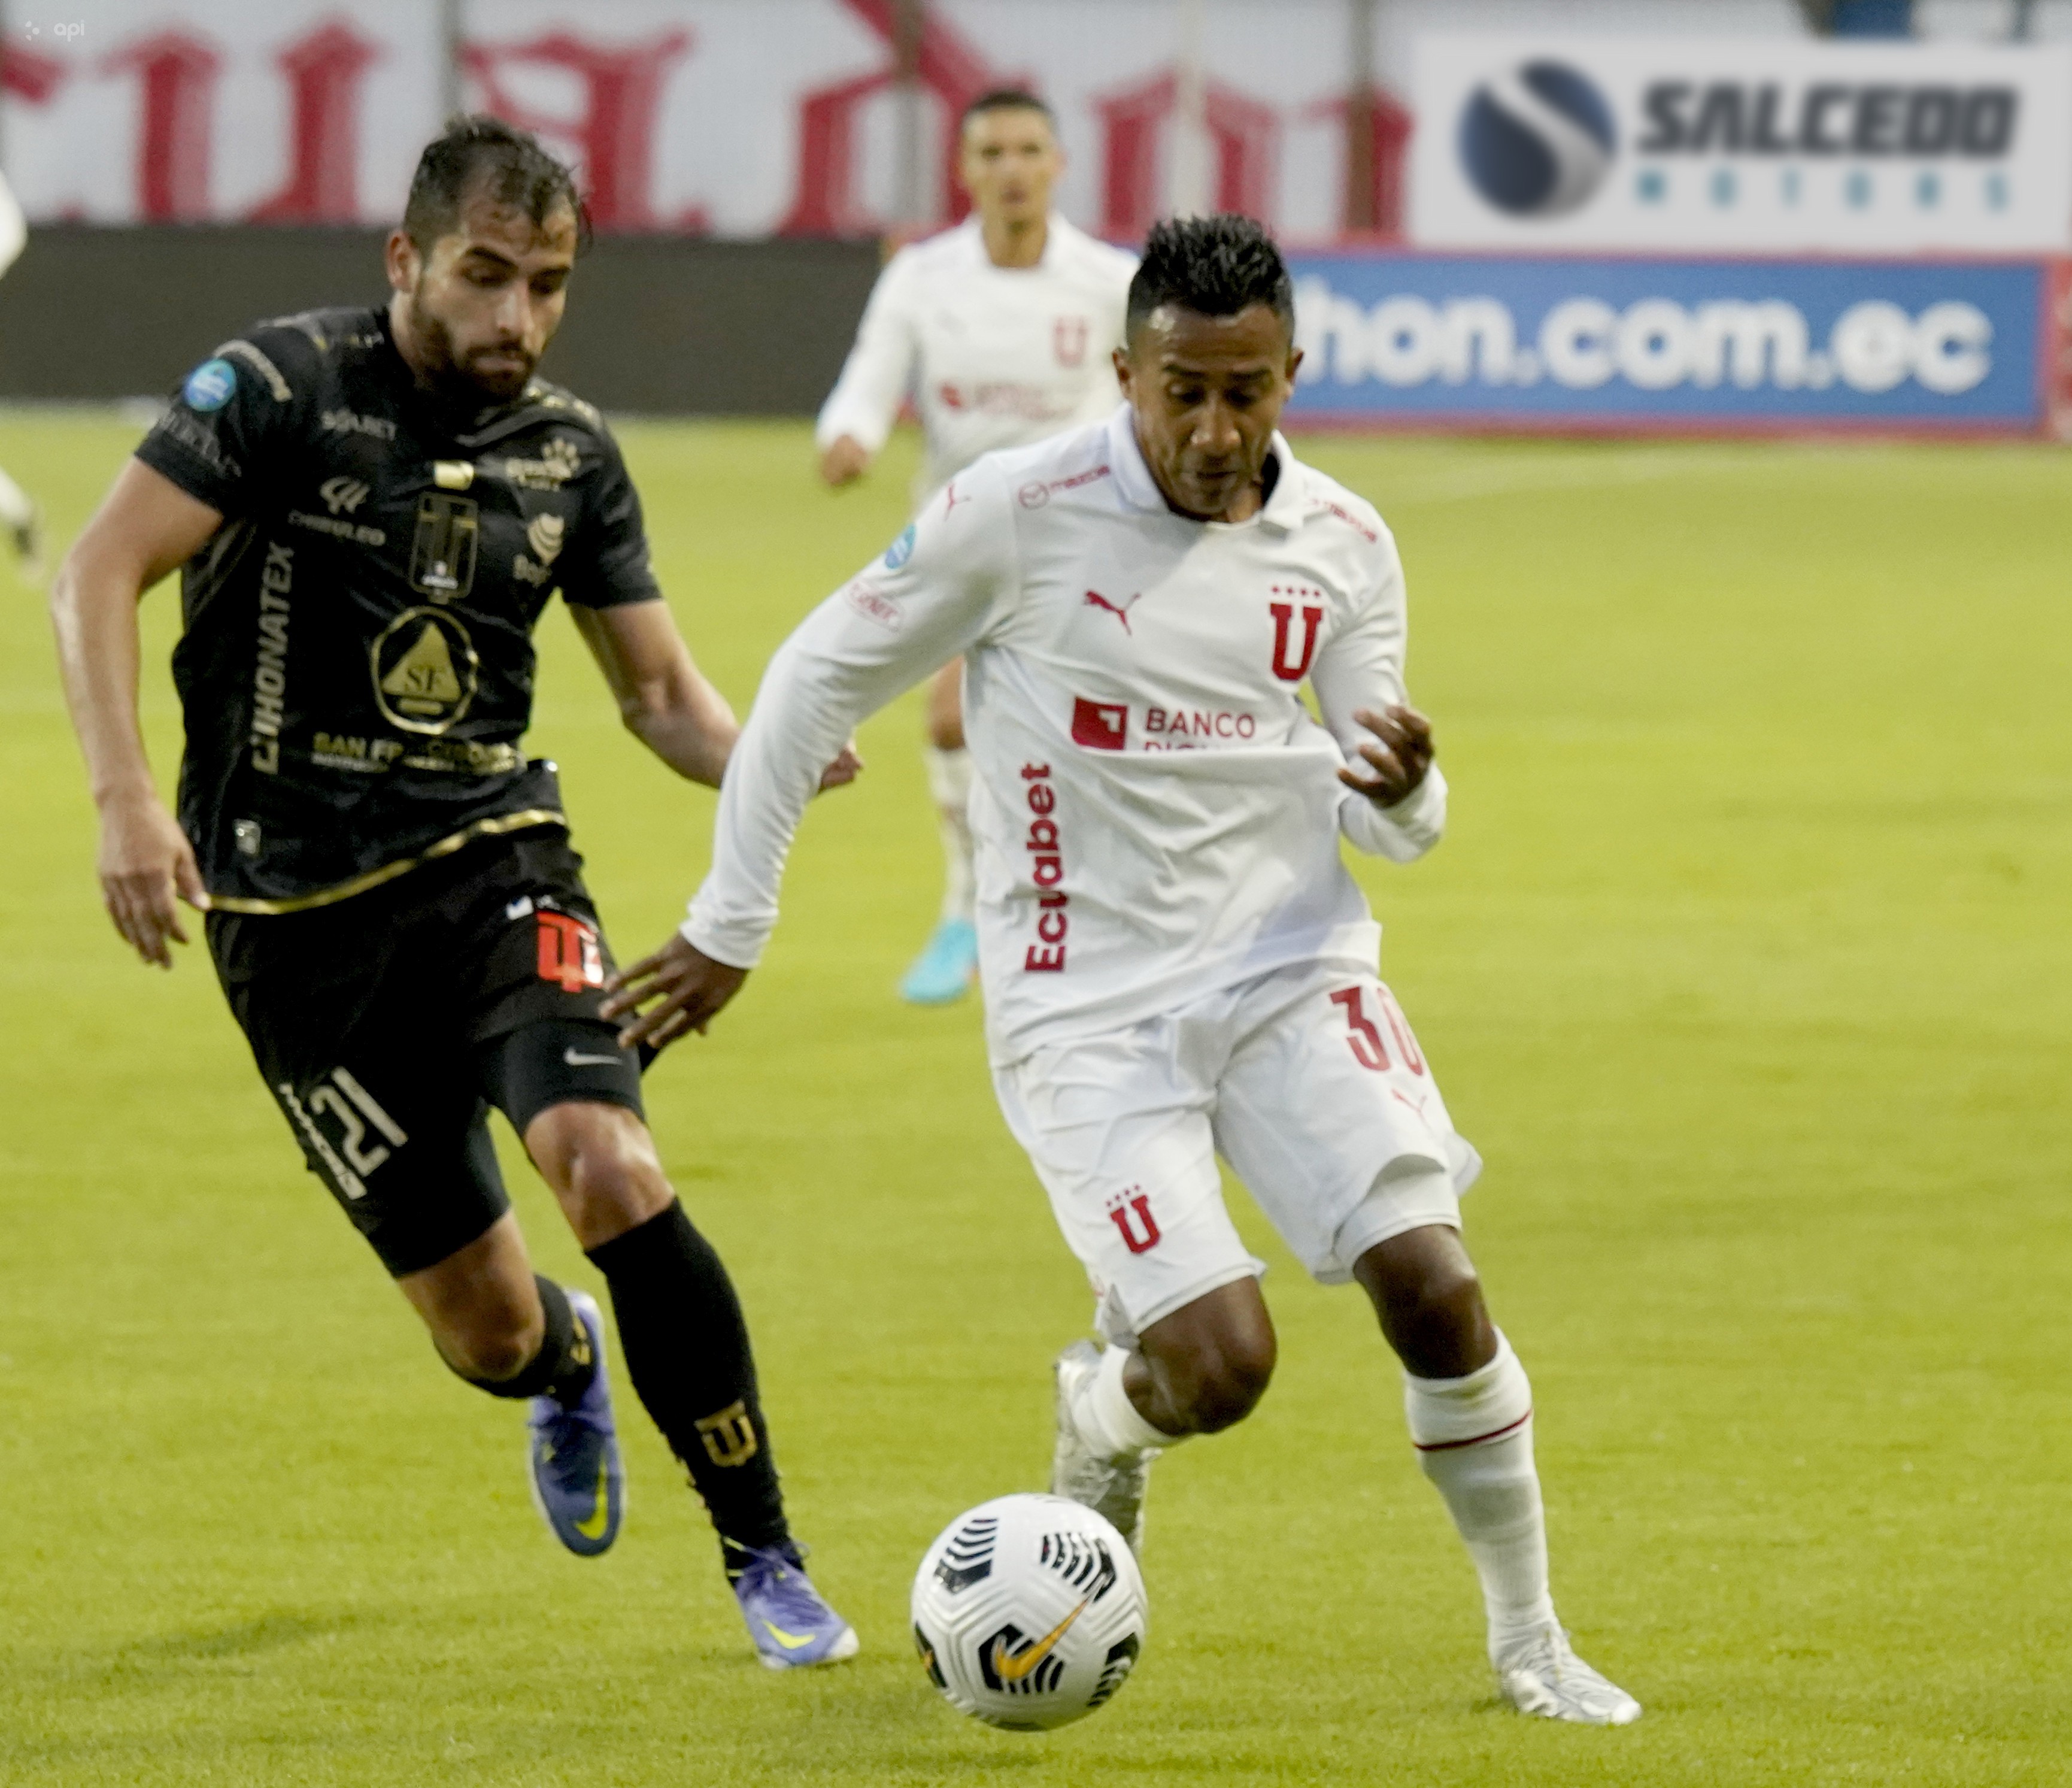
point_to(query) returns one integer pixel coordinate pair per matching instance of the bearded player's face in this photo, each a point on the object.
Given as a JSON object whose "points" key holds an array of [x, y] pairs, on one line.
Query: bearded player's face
{"points": [[1208, 393], [487, 300]]}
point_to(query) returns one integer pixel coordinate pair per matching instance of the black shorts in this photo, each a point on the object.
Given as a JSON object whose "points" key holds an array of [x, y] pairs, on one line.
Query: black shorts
{"points": [[387, 1025]]}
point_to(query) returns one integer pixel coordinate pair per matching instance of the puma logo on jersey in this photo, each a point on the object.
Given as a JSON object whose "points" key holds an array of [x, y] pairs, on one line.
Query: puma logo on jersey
{"points": [[1095, 600]]}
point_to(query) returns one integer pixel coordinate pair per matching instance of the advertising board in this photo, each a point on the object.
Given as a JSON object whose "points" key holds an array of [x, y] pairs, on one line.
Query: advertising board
{"points": [[1759, 145], [731, 118], [1696, 345]]}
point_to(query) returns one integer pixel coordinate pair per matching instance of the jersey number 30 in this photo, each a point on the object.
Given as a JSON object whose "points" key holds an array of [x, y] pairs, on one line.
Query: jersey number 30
{"points": [[1363, 1038]]}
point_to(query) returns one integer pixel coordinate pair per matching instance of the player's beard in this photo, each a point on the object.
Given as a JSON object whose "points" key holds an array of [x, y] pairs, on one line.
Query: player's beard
{"points": [[458, 377]]}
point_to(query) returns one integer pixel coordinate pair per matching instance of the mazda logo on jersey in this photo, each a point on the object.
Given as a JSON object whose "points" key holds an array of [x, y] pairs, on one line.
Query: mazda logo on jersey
{"points": [[1099, 726]]}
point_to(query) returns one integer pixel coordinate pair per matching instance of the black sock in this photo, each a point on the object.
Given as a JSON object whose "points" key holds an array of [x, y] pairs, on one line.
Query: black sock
{"points": [[686, 1353], [565, 1364]]}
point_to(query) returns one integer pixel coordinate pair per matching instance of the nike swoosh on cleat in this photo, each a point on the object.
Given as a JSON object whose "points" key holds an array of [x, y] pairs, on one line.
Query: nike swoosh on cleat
{"points": [[575, 1060], [791, 1642], [601, 1515], [1013, 1670]]}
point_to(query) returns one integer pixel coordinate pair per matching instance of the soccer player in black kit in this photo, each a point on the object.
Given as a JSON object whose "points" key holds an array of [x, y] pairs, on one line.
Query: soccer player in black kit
{"points": [[370, 509]]}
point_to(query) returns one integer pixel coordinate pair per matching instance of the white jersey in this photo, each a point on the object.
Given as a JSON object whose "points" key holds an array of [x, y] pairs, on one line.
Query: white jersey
{"points": [[14, 227], [1157, 814], [994, 357]]}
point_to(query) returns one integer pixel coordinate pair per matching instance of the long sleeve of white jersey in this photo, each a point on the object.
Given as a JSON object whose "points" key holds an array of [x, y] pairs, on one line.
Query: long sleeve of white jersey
{"points": [[880, 367], [1363, 668], [14, 227], [926, 601]]}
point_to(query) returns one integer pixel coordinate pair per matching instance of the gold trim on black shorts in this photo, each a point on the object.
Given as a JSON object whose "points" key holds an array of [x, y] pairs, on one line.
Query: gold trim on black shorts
{"points": [[495, 826]]}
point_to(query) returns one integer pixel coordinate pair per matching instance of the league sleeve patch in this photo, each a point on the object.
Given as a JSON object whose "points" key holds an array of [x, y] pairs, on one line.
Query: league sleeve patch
{"points": [[210, 386], [872, 607], [897, 554]]}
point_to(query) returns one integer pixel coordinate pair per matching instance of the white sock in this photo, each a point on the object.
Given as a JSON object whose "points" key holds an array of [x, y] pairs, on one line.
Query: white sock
{"points": [[1474, 1437], [1107, 1417], [15, 507], [950, 782]]}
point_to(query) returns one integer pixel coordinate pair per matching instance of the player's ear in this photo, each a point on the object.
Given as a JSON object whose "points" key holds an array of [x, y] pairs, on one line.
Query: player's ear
{"points": [[1294, 360], [1122, 374], [404, 264]]}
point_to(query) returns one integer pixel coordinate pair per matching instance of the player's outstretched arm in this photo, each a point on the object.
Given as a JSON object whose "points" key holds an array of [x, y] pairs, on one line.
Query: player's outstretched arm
{"points": [[665, 700], [146, 528], [929, 600]]}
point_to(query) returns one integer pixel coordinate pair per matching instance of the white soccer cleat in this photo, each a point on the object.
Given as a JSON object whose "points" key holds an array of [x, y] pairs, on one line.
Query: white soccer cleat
{"points": [[1540, 1674], [1112, 1486]]}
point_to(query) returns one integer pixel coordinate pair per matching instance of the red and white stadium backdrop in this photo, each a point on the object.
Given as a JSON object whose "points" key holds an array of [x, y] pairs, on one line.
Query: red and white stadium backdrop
{"points": [[729, 118]]}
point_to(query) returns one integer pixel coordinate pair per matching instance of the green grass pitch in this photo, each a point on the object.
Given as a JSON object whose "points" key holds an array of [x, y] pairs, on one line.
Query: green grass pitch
{"points": [[1745, 964]]}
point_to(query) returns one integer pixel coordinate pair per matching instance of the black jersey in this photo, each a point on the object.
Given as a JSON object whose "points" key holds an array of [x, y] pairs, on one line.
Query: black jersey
{"points": [[356, 670]]}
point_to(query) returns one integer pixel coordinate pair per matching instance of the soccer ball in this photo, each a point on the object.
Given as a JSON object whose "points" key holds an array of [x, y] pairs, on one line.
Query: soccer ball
{"points": [[1028, 1612]]}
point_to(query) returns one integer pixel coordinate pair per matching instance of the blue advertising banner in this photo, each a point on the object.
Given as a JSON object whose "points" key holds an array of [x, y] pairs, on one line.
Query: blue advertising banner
{"points": [[1596, 343]]}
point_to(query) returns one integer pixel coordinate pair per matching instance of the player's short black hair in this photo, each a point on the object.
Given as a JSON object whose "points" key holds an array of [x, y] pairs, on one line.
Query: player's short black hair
{"points": [[478, 154], [1005, 99], [1216, 266]]}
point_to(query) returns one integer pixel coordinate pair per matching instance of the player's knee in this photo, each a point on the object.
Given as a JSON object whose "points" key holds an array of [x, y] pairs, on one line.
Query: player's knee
{"points": [[602, 1163], [1437, 1320], [492, 1345], [1227, 1382]]}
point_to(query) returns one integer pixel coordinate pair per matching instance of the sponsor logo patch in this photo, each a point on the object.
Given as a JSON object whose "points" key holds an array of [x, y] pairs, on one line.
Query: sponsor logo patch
{"points": [[426, 669], [348, 422], [342, 495], [1099, 726], [557, 464], [210, 386], [544, 534], [872, 607]]}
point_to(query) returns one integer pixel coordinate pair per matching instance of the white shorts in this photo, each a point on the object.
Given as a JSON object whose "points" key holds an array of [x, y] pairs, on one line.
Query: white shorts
{"points": [[1307, 1081]]}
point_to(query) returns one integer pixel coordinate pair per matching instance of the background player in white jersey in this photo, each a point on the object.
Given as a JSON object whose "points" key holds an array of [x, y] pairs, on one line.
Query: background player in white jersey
{"points": [[18, 513], [1176, 962], [1002, 331]]}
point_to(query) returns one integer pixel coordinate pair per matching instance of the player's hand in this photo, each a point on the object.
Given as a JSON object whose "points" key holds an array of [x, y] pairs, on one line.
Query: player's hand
{"points": [[844, 461], [1400, 756], [147, 868], [844, 770], [677, 990]]}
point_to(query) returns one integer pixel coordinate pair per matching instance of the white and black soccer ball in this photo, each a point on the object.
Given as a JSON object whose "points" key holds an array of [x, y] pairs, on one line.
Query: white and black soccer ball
{"points": [[1028, 1612]]}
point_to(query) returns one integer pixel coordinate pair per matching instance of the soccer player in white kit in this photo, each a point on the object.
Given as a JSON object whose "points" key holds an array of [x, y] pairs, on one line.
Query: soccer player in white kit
{"points": [[18, 513], [1176, 962], [1003, 331]]}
